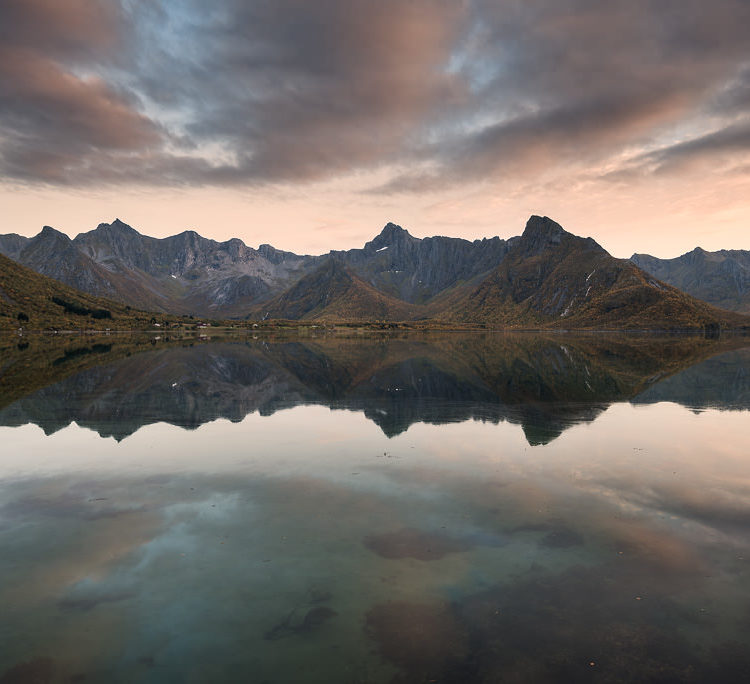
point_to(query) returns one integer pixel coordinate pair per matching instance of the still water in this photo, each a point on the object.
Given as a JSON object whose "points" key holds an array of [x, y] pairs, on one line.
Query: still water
{"points": [[423, 508]]}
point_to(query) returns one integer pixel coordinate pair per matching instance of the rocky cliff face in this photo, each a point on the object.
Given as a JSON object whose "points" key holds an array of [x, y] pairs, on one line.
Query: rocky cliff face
{"points": [[416, 270], [12, 244], [54, 254], [721, 278]]}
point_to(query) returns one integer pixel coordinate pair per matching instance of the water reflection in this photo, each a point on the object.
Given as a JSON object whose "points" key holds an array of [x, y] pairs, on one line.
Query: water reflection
{"points": [[546, 384], [310, 545]]}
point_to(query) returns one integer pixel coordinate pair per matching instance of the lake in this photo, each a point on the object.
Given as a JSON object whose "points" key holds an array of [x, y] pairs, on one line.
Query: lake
{"points": [[313, 507]]}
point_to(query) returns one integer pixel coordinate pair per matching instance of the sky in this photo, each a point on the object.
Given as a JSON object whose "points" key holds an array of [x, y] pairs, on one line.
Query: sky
{"points": [[309, 125]]}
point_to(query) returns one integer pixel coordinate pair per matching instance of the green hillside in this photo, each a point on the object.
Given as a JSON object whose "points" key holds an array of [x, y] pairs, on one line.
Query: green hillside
{"points": [[33, 301]]}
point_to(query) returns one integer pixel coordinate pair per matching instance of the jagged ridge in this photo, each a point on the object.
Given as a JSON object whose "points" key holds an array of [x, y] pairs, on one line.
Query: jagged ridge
{"points": [[187, 273], [720, 278], [552, 278]]}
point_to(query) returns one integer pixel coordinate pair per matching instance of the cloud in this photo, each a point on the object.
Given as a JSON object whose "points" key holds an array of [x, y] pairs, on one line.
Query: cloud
{"points": [[579, 84], [56, 112], [54, 120], [445, 92], [82, 29], [300, 90], [732, 141]]}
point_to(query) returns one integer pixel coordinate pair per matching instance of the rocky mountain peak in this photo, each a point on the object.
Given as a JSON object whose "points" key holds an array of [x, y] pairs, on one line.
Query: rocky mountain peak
{"points": [[391, 235], [720, 278], [543, 227], [12, 244], [121, 226], [696, 257], [542, 233], [116, 226], [392, 232], [391, 228], [48, 232], [275, 256], [189, 239]]}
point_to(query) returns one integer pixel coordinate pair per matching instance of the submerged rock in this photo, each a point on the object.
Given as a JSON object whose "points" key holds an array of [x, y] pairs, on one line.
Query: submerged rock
{"points": [[411, 543], [313, 619]]}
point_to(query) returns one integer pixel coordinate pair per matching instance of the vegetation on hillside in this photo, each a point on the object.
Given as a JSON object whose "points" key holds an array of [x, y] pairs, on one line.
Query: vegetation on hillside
{"points": [[32, 301], [333, 293]]}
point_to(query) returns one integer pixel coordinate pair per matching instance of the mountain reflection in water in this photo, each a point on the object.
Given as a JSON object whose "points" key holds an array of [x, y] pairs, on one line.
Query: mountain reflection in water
{"points": [[544, 383], [411, 534]]}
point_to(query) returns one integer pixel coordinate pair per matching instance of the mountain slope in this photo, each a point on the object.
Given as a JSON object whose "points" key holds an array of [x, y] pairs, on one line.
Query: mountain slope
{"points": [[53, 254], [720, 278], [333, 293], [31, 300], [551, 278]]}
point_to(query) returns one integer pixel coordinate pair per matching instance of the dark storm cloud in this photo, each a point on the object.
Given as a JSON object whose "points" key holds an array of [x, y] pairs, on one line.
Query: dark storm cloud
{"points": [[56, 112], [731, 140], [177, 92], [580, 82], [531, 143], [734, 96], [54, 120], [300, 90], [62, 29]]}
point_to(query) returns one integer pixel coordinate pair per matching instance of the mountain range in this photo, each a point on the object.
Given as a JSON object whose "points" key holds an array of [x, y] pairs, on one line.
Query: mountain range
{"points": [[547, 277], [187, 273], [720, 278]]}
